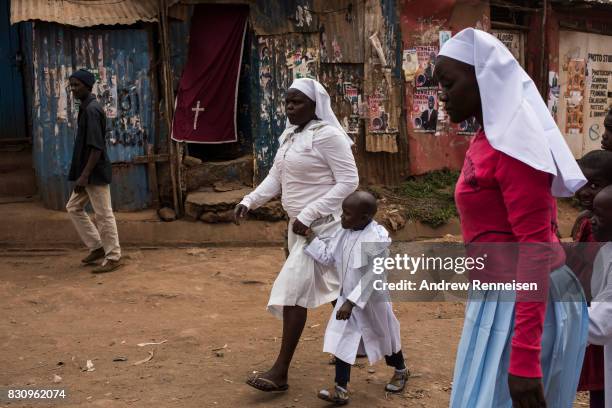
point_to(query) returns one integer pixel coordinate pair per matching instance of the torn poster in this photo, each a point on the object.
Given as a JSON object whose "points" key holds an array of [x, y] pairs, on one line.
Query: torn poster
{"points": [[303, 63]]}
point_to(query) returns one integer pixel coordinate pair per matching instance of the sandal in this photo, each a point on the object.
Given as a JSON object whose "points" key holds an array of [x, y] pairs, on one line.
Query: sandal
{"points": [[340, 396], [397, 383], [265, 385]]}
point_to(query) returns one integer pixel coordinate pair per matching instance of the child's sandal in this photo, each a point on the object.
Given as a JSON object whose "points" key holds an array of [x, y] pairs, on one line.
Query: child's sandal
{"points": [[339, 396], [397, 383]]}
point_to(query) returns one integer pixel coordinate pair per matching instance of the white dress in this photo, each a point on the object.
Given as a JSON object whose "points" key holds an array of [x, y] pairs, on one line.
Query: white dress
{"points": [[600, 312], [314, 171], [372, 319]]}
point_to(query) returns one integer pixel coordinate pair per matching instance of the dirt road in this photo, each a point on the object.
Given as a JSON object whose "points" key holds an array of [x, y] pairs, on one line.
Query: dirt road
{"points": [[208, 305]]}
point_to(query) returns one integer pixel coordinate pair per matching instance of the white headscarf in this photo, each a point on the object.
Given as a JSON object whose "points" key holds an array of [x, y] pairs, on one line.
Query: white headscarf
{"points": [[317, 93], [516, 120]]}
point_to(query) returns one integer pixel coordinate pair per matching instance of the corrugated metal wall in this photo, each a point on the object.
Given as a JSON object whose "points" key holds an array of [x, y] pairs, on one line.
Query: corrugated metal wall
{"points": [[12, 106], [121, 61]]}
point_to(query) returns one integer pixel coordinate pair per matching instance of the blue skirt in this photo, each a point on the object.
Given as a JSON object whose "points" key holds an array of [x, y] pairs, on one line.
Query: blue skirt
{"points": [[483, 357]]}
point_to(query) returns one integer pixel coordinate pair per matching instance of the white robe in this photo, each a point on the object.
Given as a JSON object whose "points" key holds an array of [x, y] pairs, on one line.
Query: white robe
{"points": [[314, 171], [372, 319], [600, 312]]}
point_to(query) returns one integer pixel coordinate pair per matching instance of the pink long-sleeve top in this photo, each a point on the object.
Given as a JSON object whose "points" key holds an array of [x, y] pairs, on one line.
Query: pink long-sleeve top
{"points": [[501, 199]]}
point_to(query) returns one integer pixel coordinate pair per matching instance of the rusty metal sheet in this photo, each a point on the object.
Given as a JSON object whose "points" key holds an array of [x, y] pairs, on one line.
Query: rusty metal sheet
{"points": [[278, 16], [85, 13], [277, 61], [341, 25], [421, 26], [120, 59]]}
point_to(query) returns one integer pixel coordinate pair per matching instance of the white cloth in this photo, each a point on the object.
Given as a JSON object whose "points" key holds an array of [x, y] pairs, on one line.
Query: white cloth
{"points": [[315, 170], [372, 319], [301, 281], [317, 93], [600, 312], [105, 235], [516, 119]]}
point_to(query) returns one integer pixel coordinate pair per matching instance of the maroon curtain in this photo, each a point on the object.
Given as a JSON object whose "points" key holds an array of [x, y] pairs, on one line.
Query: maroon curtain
{"points": [[206, 100]]}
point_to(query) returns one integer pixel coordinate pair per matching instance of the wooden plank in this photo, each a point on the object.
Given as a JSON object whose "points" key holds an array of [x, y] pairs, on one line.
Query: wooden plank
{"points": [[152, 173], [151, 158]]}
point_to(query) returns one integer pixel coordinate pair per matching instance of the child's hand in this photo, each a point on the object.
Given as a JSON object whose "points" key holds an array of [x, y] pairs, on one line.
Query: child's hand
{"points": [[344, 313], [310, 235]]}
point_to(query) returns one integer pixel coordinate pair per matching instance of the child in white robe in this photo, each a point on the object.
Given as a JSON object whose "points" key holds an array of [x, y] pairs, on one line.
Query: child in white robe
{"points": [[600, 312], [361, 313]]}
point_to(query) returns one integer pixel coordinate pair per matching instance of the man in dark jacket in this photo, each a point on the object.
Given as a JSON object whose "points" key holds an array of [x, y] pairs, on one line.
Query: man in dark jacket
{"points": [[91, 171]]}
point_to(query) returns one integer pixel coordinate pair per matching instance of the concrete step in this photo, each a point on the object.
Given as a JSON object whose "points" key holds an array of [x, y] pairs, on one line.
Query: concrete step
{"points": [[15, 158], [30, 225], [18, 183], [206, 174], [218, 206]]}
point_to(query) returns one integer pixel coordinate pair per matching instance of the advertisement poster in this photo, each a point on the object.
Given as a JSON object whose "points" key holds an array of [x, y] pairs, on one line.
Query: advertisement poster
{"points": [[574, 95], [444, 37], [553, 93], [426, 56], [425, 110], [410, 64], [585, 94], [351, 93], [379, 119]]}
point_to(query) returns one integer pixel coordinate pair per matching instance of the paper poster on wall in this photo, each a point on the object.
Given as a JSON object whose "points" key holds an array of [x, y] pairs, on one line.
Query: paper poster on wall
{"points": [[585, 78], [444, 37], [303, 63], [351, 94], [105, 88], [410, 64], [379, 119], [553, 93], [574, 95], [425, 110], [426, 56]]}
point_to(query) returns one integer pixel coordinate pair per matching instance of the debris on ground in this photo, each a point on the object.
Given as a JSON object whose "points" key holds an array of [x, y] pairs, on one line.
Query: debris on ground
{"points": [[152, 343], [166, 214], [220, 348], [139, 362]]}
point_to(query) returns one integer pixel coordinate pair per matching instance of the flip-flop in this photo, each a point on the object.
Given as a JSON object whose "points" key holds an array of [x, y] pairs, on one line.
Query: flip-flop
{"points": [[256, 381]]}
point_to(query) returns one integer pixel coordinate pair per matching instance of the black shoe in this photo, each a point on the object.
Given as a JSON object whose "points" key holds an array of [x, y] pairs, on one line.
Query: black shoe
{"points": [[108, 266], [93, 256]]}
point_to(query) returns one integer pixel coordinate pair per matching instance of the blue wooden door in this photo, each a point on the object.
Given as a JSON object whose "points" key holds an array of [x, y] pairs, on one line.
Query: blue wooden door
{"points": [[12, 109]]}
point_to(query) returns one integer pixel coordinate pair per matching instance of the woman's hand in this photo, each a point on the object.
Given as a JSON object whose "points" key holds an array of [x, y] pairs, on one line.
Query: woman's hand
{"points": [[299, 228], [240, 211], [526, 392]]}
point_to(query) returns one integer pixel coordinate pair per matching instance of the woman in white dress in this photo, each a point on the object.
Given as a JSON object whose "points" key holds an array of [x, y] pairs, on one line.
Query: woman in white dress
{"points": [[314, 171]]}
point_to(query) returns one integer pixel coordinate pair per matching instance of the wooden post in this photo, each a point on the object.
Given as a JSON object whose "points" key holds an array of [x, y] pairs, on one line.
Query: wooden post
{"points": [[543, 73], [168, 106]]}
